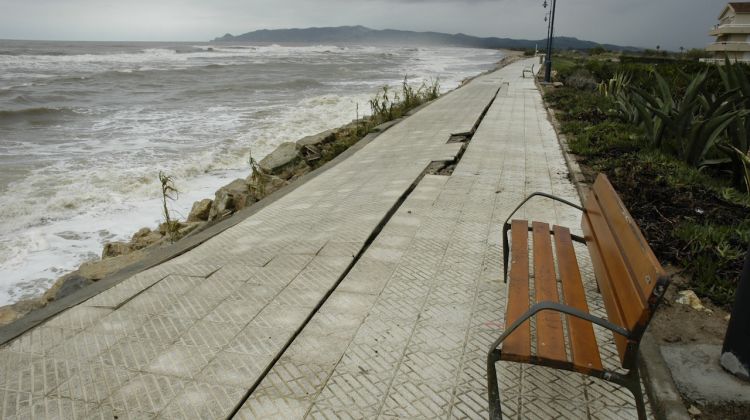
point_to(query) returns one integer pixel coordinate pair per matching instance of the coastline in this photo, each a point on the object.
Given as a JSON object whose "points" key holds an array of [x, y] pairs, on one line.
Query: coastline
{"points": [[288, 166]]}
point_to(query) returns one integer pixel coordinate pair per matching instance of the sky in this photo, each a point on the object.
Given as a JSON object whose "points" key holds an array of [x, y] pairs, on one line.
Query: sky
{"points": [[670, 24]]}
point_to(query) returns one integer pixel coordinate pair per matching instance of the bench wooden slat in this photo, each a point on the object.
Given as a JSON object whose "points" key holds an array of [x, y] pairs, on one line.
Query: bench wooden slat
{"points": [[641, 261], [549, 331], [626, 292], [614, 313], [518, 343], [583, 347]]}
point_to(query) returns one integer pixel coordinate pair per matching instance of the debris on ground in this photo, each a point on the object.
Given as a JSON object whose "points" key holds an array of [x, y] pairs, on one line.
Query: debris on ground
{"points": [[688, 297]]}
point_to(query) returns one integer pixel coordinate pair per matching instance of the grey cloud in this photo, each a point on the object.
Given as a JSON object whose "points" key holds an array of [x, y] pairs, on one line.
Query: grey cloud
{"points": [[669, 23]]}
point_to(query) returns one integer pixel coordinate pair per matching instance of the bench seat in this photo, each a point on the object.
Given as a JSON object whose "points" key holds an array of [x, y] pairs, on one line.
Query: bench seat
{"points": [[550, 342]]}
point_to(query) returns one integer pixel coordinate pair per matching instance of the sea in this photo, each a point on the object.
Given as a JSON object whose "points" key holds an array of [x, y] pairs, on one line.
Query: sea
{"points": [[86, 127]]}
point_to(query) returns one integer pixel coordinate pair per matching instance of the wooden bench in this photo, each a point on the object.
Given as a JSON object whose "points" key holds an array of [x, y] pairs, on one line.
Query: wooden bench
{"points": [[629, 278]]}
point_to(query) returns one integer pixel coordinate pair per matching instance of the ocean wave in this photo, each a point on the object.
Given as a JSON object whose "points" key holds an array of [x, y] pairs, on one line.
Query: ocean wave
{"points": [[35, 113]]}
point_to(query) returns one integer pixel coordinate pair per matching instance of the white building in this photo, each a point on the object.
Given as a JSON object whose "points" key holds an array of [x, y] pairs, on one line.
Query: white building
{"points": [[732, 33]]}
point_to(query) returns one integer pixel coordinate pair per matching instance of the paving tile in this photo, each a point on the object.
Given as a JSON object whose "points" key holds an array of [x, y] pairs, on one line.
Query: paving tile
{"points": [[281, 316], [176, 284], [82, 346], [94, 382], [38, 375], [209, 334], [162, 329], [357, 392], [294, 379], [254, 340], [132, 354], [191, 306], [427, 400], [78, 318], [235, 311], [44, 407], [146, 393], [38, 340], [235, 369], [540, 408], [182, 361], [279, 407], [203, 401]]}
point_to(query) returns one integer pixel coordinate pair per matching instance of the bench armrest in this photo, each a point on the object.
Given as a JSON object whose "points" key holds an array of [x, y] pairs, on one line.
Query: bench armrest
{"points": [[541, 194], [559, 307]]}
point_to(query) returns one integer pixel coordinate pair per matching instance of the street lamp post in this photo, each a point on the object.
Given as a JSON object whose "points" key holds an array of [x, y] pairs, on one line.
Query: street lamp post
{"points": [[548, 60]]}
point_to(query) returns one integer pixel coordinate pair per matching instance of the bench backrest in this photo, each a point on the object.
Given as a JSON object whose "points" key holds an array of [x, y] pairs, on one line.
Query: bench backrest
{"points": [[630, 278]]}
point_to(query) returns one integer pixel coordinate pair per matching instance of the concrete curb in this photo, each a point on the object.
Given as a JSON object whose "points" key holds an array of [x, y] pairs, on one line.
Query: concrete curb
{"points": [[665, 400], [161, 255]]}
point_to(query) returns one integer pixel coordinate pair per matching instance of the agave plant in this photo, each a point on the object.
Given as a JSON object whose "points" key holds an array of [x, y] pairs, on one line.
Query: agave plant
{"points": [[689, 126], [743, 157], [734, 78], [617, 89]]}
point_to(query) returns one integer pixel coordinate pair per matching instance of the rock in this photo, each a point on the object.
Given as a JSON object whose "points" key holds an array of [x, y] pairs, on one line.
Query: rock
{"points": [[8, 315], [200, 211], [694, 411], [164, 228], [189, 227], [261, 187], [142, 232], [230, 198], [113, 249], [145, 238], [283, 161], [97, 270], [558, 84], [66, 285], [317, 139]]}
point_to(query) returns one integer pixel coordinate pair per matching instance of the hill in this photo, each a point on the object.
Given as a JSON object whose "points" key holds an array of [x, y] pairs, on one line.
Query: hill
{"points": [[363, 35]]}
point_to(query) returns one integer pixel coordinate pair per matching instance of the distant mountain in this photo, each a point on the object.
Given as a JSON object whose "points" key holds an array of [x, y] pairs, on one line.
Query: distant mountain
{"points": [[363, 35]]}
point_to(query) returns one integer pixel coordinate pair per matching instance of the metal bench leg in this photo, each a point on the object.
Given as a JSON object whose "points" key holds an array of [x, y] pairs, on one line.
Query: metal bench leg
{"points": [[506, 251], [635, 388], [632, 381], [496, 411]]}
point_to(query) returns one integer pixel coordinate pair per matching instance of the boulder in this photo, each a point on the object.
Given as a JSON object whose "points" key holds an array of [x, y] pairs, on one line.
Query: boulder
{"points": [[317, 139], [97, 270], [230, 198], [164, 228], [66, 285], [263, 186], [189, 227], [144, 238], [113, 249], [283, 161], [10, 313], [200, 211]]}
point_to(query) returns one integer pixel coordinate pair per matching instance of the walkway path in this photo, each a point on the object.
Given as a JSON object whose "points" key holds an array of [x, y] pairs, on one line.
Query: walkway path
{"points": [[404, 333]]}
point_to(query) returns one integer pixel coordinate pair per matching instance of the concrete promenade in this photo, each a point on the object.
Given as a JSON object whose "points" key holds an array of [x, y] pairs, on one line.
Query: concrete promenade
{"points": [[371, 291]]}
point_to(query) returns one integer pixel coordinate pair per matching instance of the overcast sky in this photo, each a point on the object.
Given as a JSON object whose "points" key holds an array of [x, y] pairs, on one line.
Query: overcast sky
{"points": [[644, 23]]}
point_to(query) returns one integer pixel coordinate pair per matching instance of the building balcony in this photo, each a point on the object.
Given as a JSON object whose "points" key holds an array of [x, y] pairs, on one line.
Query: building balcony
{"points": [[730, 28], [729, 46]]}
